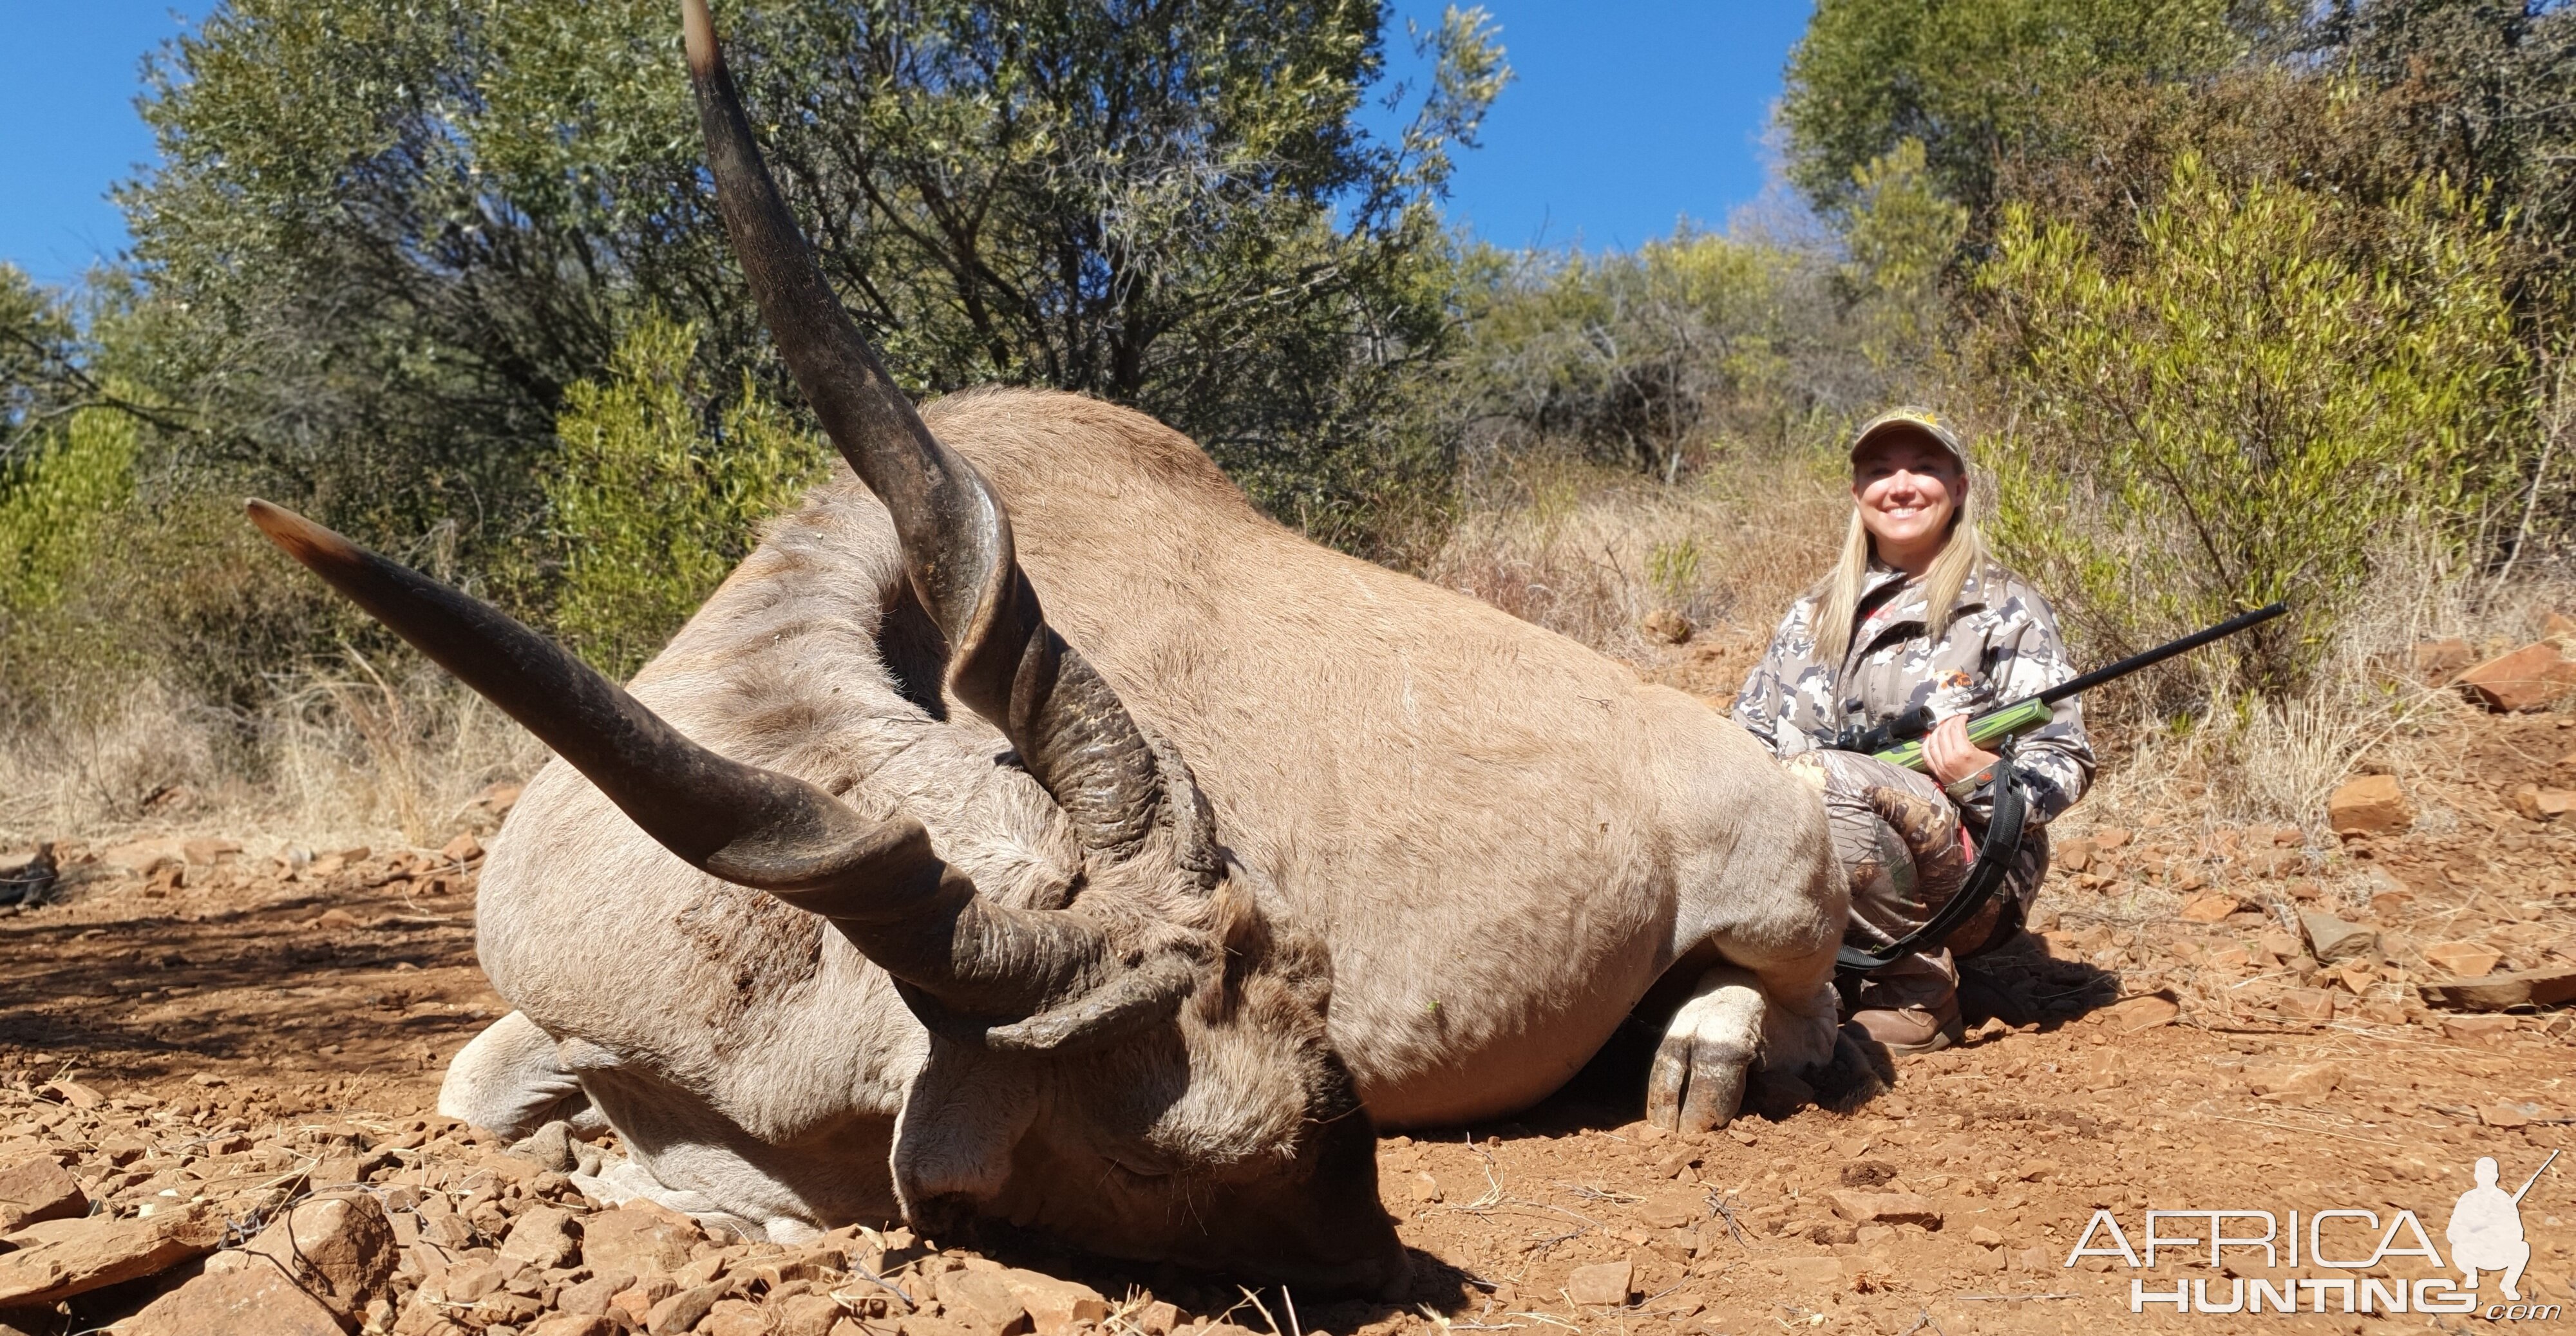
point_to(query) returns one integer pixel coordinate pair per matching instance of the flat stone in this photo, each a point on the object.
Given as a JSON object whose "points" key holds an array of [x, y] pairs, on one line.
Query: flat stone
{"points": [[2142, 1013], [1603, 1284], [983, 1301], [2496, 992], [806, 1315], [2538, 804], [2530, 678], [734, 1317], [542, 1237], [238, 1294], [589, 1324], [2305, 1081], [638, 1238], [75, 1094], [2480, 1028], [592, 1295], [2370, 805], [2313, 1005], [681, 1311], [2208, 908], [1674, 1208], [37, 1190], [60, 1258], [1053, 1305], [1885, 1208], [1158, 1318], [2331, 938], [1985, 1237], [2463, 960], [144, 855]]}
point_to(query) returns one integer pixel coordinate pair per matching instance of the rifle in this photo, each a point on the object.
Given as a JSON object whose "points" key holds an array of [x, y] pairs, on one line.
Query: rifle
{"points": [[1899, 740]]}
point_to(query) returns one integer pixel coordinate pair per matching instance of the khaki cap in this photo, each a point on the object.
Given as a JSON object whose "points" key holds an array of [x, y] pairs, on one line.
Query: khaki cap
{"points": [[1918, 421]]}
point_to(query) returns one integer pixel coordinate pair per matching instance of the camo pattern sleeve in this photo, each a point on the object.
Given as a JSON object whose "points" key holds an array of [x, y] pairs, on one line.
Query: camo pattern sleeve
{"points": [[2025, 656], [1788, 697]]}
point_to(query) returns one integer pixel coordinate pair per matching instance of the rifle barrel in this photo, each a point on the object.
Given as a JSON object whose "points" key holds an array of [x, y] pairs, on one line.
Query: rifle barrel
{"points": [[2160, 653]]}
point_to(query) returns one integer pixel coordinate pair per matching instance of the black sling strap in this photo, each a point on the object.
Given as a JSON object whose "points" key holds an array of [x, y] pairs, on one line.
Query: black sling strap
{"points": [[1994, 862]]}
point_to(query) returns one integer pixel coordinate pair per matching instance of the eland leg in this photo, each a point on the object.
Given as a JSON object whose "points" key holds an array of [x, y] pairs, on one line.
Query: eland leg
{"points": [[1738, 1020], [510, 1081]]}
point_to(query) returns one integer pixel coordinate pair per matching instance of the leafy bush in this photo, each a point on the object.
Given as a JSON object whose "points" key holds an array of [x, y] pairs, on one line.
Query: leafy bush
{"points": [[1981, 83], [55, 504], [2234, 410], [650, 509], [1639, 358]]}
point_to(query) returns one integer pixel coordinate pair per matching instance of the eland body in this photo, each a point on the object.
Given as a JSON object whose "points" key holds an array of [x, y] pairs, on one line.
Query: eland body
{"points": [[889, 893]]}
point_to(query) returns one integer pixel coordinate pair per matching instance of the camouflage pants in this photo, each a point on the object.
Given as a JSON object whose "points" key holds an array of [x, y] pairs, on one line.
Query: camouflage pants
{"points": [[1897, 837]]}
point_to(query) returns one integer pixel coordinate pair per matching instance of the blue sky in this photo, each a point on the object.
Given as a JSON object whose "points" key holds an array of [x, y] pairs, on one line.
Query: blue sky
{"points": [[1626, 116]]}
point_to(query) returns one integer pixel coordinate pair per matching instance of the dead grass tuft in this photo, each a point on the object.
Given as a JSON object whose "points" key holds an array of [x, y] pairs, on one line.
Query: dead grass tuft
{"points": [[356, 752]]}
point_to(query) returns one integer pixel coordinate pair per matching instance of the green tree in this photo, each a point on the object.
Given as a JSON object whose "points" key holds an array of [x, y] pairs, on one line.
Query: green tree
{"points": [[399, 233], [2235, 410], [1902, 235], [1980, 82], [1640, 358], [650, 509]]}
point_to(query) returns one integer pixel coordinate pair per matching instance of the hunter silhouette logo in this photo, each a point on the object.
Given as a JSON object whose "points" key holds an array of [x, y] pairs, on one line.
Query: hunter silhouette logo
{"points": [[2486, 1229], [2484, 1235]]}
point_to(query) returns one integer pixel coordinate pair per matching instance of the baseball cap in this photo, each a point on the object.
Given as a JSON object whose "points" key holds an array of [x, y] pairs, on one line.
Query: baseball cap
{"points": [[1918, 421]]}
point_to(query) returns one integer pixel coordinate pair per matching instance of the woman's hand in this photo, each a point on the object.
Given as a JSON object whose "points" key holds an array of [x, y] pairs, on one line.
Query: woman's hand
{"points": [[1949, 753]]}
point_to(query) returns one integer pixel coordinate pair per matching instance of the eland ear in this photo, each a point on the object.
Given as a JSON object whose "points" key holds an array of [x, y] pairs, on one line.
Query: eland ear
{"points": [[962, 1116]]}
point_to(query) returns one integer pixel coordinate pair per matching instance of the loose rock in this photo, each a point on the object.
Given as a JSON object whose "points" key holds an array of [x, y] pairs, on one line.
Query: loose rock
{"points": [[2545, 988], [38, 1190], [340, 1248], [60, 1258], [2529, 678], [638, 1238], [2463, 960], [542, 1236], [2370, 805], [1885, 1208], [2331, 939], [239, 1294], [1603, 1284]]}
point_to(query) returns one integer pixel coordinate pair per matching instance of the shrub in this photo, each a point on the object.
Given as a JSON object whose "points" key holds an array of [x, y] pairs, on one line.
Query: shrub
{"points": [[651, 509], [2234, 410], [1640, 358], [54, 508]]}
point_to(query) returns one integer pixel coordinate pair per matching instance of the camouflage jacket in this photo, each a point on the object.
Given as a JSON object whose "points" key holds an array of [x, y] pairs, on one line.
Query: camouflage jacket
{"points": [[2001, 645]]}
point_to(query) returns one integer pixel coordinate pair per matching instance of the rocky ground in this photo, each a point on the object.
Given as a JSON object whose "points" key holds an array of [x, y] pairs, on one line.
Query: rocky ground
{"points": [[218, 1066]]}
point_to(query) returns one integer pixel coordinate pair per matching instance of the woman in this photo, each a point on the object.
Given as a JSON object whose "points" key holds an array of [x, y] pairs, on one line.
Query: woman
{"points": [[1915, 613]]}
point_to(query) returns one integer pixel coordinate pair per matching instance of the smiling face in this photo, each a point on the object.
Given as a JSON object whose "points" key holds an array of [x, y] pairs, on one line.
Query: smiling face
{"points": [[1908, 489]]}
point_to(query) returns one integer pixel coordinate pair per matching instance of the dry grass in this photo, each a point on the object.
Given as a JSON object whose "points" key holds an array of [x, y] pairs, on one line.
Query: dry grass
{"points": [[1588, 552], [352, 753], [2276, 761]]}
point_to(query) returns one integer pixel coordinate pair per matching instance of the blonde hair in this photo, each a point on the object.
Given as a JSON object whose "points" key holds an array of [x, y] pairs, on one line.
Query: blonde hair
{"points": [[1838, 598]]}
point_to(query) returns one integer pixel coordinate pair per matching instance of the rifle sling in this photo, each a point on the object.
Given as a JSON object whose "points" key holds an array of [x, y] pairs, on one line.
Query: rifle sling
{"points": [[1994, 862]]}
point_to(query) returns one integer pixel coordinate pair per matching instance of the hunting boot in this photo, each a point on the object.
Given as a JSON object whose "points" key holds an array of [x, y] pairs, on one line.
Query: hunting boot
{"points": [[1910, 1011]]}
